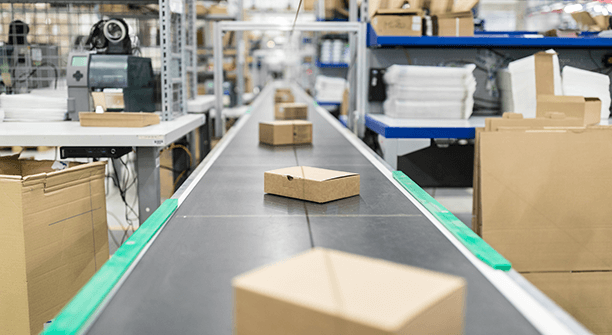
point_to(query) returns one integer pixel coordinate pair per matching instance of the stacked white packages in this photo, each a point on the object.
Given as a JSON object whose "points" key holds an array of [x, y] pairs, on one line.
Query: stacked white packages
{"points": [[38, 106], [588, 84], [329, 89], [429, 92], [522, 74]]}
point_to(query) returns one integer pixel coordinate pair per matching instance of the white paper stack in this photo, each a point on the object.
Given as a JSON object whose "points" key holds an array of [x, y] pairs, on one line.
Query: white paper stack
{"points": [[588, 84], [37, 106], [522, 76], [430, 92], [329, 89]]}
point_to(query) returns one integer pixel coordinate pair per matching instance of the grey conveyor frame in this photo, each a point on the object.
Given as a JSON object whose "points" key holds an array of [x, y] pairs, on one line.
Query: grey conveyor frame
{"points": [[225, 225]]}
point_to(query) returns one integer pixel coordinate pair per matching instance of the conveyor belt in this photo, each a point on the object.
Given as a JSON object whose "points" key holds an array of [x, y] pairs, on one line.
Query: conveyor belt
{"points": [[226, 225]]}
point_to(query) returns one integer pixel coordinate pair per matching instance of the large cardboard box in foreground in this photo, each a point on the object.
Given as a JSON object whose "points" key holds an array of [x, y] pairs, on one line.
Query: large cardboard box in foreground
{"points": [[312, 184], [291, 111], [585, 295], [328, 292], [53, 238], [285, 132]]}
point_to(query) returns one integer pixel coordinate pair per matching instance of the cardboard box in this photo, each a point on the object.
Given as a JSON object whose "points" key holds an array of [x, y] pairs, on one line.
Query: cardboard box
{"points": [[453, 24], [322, 291], [543, 196], [344, 106], [117, 119], [285, 132], [584, 295], [291, 111], [312, 184], [398, 22], [587, 22], [53, 238], [440, 6], [283, 95], [586, 109]]}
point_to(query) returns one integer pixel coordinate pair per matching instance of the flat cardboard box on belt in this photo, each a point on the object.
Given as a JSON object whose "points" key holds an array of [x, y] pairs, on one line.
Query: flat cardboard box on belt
{"points": [[328, 292], [453, 24], [285, 132], [398, 22], [312, 184], [53, 238], [291, 111]]}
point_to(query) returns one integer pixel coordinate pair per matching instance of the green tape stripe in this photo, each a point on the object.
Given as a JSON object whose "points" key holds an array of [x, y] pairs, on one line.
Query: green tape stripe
{"points": [[465, 235], [78, 311]]}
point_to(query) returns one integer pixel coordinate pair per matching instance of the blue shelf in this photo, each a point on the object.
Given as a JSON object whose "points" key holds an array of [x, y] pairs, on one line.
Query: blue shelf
{"points": [[327, 103], [332, 65], [488, 40], [420, 131]]}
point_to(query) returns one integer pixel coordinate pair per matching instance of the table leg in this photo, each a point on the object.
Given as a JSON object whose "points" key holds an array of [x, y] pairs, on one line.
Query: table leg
{"points": [[147, 168]]}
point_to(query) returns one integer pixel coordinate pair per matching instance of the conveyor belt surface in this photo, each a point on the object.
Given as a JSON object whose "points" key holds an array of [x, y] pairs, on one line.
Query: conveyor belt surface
{"points": [[227, 226]]}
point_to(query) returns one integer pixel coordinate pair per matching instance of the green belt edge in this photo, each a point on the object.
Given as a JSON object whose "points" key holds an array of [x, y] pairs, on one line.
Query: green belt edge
{"points": [[75, 315], [465, 235]]}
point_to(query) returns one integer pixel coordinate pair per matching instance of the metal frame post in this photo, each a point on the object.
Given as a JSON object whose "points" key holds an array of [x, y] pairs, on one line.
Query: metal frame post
{"points": [[165, 20], [218, 78]]}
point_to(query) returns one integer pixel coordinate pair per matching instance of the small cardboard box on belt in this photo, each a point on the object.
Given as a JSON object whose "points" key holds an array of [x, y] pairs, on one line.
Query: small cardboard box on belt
{"points": [[328, 292], [283, 95], [291, 111], [53, 237], [285, 132], [312, 184], [453, 24]]}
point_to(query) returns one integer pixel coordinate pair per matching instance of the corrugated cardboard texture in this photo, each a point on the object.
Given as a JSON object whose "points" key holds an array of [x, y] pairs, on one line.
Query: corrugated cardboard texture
{"points": [[454, 24], [291, 111], [586, 109], [53, 238], [285, 132], [327, 292], [587, 296], [398, 22], [312, 184], [118, 119], [544, 197]]}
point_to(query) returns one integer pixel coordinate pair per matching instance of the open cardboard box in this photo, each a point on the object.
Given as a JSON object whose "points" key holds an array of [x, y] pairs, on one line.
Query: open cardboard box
{"points": [[312, 184], [587, 109], [53, 237], [285, 132], [328, 292]]}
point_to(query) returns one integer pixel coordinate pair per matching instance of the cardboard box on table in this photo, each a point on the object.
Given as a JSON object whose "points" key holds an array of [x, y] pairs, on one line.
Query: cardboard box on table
{"points": [[291, 111], [398, 22], [285, 132], [541, 199], [53, 238], [327, 292], [311, 184]]}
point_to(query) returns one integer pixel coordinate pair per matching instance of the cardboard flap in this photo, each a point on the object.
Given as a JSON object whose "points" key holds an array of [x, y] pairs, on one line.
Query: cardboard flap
{"points": [[316, 174], [544, 73], [464, 5], [399, 11], [454, 15], [561, 98]]}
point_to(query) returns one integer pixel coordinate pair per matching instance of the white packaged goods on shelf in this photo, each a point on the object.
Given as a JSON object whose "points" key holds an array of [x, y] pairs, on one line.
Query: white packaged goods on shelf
{"points": [[429, 92], [329, 89], [428, 75], [588, 84], [38, 106], [522, 76]]}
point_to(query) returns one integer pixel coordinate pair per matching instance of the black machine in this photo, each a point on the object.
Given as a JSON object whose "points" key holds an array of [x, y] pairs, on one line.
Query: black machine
{"points": [[109, 63]]}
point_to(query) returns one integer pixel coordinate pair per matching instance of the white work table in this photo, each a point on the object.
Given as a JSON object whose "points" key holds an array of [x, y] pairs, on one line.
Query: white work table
{"points": [[148, 141]]}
